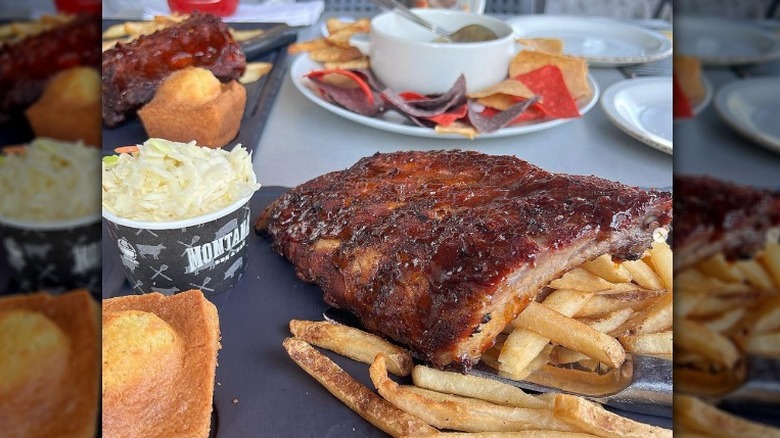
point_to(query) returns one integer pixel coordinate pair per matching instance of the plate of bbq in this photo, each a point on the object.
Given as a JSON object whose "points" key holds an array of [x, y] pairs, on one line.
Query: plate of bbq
{"points": [[399, 278], [543, 89]]}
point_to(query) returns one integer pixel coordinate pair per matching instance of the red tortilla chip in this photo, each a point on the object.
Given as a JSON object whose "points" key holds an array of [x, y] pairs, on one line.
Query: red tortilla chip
{"points": [[532, 113], [682, 106], [547, 82]]}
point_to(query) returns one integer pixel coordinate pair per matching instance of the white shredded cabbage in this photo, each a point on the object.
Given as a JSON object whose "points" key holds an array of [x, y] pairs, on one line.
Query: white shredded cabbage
{"points": [[50, 181], [167, 181]]}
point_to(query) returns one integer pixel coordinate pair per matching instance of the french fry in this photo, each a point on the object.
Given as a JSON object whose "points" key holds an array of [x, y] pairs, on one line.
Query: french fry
{"points": [[254, 71], [763, 344], [690, 298], [643, 275], [766, 318], [115, 31], [725, 321], [352, 393], [770, 258], [604, 267], [572, 334], [691, 279], [522, 345], [139, 28], [661, 258], [609, 322], [245, 35], [490, 358], [754, 273], [717, 266], [601, 305], [653, 318], [593, 418], [474, 387], [582, 280], [697, 415], [468, 415], [716, 304], [648, 343], [534, 419], [353, 343], [715, 347]]}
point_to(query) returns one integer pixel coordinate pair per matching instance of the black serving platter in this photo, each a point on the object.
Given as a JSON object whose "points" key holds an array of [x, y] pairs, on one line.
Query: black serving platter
{"points": [[259, 97], [260, 391]]}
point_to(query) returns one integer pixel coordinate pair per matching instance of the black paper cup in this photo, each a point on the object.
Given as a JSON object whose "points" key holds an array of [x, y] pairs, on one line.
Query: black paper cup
{"points": [[208, 252], [54, 256]]}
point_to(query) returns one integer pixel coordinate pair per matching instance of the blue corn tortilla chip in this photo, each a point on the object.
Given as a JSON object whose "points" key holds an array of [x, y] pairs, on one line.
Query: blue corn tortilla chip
{"points": [[487, 125], [429, 106]]}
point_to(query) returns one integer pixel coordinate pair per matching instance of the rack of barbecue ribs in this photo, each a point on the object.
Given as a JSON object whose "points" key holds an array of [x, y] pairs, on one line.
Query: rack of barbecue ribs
{"points": [[718, 216], [26, 65], [132, 72], [440, 250]]}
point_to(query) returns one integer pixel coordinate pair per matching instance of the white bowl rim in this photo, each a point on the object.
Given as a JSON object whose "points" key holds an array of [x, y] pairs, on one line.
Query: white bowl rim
{"points": [[445, 12], [181, 223]]}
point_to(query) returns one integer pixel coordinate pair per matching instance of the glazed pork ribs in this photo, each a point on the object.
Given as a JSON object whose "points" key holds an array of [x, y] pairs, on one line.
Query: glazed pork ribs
{"points": [[132, 72], [718, 216], [440, 250]]}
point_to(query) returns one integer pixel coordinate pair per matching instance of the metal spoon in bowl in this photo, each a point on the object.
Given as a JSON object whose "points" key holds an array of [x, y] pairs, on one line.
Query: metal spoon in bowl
{"points": [[468, 34]]}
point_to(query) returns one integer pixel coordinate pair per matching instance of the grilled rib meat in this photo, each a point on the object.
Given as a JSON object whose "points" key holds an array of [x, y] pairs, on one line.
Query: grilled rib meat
{"points": [[132, 72], [26, 65], [440, 250], [715, 216]]}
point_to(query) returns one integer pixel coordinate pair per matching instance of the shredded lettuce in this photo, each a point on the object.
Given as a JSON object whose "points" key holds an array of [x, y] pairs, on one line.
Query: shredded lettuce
{"points": [[166, 181], [50, 181]]}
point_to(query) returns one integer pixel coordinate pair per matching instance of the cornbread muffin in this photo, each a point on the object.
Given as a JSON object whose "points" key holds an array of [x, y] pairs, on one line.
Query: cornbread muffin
{"points": [[48, 365], [192, 104], [159, 360], [69, 108]]}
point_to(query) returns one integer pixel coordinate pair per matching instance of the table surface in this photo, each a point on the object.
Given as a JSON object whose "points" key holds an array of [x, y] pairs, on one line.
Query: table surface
{"points": [[302, 141], [706, 145]]}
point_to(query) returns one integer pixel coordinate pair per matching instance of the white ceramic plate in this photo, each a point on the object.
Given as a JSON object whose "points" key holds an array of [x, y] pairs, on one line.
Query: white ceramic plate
{"points": [[603, 42], [394, 122], [642, 108], [752, 108], [721, 42]]}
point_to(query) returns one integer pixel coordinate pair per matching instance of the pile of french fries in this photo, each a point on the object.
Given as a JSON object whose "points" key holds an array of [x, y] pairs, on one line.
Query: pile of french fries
{"points": [[445, 401], [727, 310], [128, 31], [333, 50], [14, 31], [594, 316]]}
